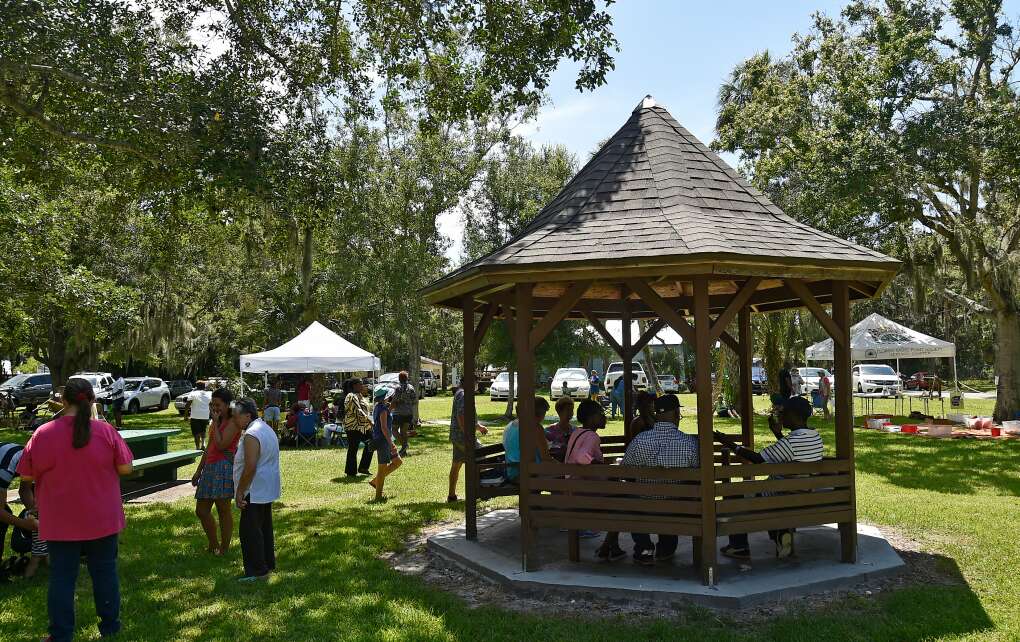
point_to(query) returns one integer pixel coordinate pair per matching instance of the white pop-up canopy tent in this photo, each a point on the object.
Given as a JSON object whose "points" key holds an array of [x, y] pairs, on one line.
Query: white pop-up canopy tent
{"points": [[317, 349], [876, 337]]}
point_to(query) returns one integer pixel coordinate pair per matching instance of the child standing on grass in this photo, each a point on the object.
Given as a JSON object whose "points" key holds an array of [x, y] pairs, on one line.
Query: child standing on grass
{"points": [[382, 441]]}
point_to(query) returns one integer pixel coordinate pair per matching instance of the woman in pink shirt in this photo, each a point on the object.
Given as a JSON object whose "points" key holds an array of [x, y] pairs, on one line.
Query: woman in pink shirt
{"points": [[76, 463]]}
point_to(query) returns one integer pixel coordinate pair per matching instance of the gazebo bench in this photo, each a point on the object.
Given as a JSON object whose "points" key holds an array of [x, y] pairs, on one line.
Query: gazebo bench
{"points": [[790, 496], [610, 498], [163, 467]]}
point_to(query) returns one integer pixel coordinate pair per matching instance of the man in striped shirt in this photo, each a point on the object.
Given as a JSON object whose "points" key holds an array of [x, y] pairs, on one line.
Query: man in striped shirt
{"points": [[802, 444], [10, 455]]}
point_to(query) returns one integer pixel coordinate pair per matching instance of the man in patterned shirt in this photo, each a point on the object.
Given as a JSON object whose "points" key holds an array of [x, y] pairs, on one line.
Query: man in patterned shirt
{"points": [[664, 446], [457, 440]]}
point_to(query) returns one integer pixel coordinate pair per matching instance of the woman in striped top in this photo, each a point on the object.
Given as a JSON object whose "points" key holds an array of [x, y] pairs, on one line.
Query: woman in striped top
{"points": [[802, 444]]}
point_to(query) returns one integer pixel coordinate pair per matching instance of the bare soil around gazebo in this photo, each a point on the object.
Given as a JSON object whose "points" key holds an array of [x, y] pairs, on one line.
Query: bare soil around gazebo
{"points": [[920, 568]]}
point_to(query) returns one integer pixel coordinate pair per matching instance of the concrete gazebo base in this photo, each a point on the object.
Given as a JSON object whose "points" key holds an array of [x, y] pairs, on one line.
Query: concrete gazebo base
{"points": [[815, 568]]}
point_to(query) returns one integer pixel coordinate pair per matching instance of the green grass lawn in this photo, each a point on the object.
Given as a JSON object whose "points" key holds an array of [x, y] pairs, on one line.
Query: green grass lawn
{"points": [[959, 499]]}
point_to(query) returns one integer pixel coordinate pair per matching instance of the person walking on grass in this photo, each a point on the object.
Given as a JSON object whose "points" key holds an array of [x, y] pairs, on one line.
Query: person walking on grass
{"points": [[75, 463], [271, 403], [824, 394], [197, 409], [358, 428], [457, 440], [256, 487], [404, 399], [214, 479], [117, 401], [382, 441]]}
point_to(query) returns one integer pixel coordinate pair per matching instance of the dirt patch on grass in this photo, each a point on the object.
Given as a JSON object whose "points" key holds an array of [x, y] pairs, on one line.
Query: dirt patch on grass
{"points": [[923, 567]]}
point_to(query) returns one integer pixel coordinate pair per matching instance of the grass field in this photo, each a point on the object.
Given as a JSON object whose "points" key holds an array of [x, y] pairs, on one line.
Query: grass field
{"points": [[959, 499]]}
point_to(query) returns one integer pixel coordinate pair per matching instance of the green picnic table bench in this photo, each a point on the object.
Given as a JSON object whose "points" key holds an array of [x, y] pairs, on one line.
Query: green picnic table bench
{"points": [[152, 462]]}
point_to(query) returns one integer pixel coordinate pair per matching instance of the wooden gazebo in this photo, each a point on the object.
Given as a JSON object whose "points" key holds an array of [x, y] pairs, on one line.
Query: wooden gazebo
{"points": [[657, 226]]}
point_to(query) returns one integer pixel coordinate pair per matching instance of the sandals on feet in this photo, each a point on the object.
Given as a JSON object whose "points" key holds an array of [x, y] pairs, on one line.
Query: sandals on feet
{"points": [[735, 553]]}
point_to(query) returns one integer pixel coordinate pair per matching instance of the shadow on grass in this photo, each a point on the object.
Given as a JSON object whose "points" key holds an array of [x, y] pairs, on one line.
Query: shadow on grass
{"points": [[960, 466], [331, 584]]}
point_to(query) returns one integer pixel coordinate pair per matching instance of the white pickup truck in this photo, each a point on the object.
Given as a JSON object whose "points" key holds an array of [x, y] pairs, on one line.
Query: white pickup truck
{"points": [[615, 371]]}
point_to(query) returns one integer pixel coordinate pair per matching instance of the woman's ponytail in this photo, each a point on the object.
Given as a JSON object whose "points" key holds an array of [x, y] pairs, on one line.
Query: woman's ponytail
{"points": [[78, 393]]}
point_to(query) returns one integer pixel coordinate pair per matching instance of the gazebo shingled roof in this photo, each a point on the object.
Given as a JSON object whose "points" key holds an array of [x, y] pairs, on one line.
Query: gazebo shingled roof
{"points": [[655, 196], [657, 226]]}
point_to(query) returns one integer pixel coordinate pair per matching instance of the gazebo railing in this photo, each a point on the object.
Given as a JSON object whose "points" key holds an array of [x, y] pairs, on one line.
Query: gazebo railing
{"points": [[758, 497]]}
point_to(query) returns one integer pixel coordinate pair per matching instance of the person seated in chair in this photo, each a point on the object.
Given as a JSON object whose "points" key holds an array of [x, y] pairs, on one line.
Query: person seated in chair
{"points": [[307, 424], [802, 444], [664, 446], [559, 433], [512, 440]]}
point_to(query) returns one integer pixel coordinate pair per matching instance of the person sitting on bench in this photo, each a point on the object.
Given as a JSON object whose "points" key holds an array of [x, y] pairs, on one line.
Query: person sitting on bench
{"points": [[512, 440], [803, 444], [664, 446]]}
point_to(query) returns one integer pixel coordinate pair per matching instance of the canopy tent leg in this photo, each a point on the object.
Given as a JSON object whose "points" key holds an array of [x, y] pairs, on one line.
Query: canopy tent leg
{"points": [[956, 380]]}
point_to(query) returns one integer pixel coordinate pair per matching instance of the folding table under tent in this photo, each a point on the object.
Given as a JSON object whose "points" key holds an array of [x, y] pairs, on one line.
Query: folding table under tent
{"points": [[877, 338], [317, 349]]}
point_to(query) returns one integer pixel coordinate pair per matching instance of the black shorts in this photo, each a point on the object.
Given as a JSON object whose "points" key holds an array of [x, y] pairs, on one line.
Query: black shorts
{"points": [[403, 420], [118, 404], [199, 426]]}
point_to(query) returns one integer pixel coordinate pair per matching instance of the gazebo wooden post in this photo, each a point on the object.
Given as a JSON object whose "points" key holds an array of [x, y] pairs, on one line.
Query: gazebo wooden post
{"points": [[526, 412], [745, 357], [706, 441], [628, 368], [470, 422], [843, 394]]}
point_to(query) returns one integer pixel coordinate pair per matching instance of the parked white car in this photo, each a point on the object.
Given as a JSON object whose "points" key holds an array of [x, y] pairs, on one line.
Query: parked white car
{"points": [[500, 388], [391, 380], [145, 393], [570, 382], [101, 381], [876, 378], [812, 378], [615, 371], [669, 384]]}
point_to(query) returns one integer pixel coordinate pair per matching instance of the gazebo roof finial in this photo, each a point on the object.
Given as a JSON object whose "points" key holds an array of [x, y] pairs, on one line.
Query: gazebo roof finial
{"points": [[648, 102]]}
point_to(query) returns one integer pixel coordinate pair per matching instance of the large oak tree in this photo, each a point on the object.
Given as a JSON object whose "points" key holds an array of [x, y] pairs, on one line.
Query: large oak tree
{"points": [[901, 113]]}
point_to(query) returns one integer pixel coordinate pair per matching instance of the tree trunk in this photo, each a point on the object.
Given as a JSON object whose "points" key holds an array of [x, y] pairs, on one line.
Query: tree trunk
{"points": [[1007, 365], [653, 376], [414, 367], [509, 412], [308, 311]]}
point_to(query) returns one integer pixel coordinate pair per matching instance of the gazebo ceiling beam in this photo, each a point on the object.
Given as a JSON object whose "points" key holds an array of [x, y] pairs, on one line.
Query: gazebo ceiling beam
{"points": [[601, 329], [484, 323], [647, 337], [736, 304], [801, 290], [652, 299], [558, 312]]}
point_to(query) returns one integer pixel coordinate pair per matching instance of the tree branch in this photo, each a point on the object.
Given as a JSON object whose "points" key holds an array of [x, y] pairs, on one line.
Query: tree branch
{"points": [[8, 98], [966, 301]]}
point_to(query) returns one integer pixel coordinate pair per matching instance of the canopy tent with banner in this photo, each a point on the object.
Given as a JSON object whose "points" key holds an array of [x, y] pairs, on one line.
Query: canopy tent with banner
{"points": [[875, 338], [317, 349]]}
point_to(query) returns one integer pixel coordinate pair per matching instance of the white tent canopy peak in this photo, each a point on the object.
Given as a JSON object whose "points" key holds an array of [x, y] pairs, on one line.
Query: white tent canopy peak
{"points": [[316, 349]]}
